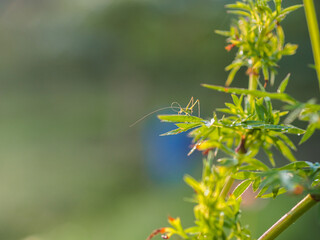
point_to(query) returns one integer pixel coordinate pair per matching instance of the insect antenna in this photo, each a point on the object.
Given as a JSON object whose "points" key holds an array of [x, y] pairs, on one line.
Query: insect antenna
{"points": [[160, 109], [178, 106]]}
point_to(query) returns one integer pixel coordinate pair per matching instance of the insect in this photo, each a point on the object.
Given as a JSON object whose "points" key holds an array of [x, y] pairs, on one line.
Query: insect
{"points": [[188, 110]]}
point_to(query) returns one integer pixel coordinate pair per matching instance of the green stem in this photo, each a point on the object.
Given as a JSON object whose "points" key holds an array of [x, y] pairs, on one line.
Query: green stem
{"points": [[289, 218], [226, 187], [314, 33], [253, 85]]}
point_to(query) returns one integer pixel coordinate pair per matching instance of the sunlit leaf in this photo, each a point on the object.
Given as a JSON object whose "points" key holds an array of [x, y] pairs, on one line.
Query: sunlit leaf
{"points": [[241, 188], [258, 165], [309, 132], [283, 84], [291, 9], [180, 118], [279, 96], [245, 175], [172, 132], [272, 195], [256, 184], [284, 150], [239, 12], [296, 165], [193, 183], [187, 126], [227, 162], [223, 33], [270, 155]]}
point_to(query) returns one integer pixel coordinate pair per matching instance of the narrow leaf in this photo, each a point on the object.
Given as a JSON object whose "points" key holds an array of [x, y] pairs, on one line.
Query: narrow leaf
{"points": [[232, 75], [245, 175], [279, 96], [241, 188], [256, 184], [272, 195], [180, 118], [284, 150], [172, 132], [284, 84], [223, 33], [296, 165], [310, 130]]}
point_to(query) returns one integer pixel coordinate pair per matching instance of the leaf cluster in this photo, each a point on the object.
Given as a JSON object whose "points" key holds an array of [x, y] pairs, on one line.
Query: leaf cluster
{"points": [[215, 216], [259, 37], [243, 132], [296, 178]]}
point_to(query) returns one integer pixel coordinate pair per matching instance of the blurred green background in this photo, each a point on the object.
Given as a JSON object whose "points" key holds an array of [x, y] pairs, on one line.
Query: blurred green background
{"points": [[76, 73]]}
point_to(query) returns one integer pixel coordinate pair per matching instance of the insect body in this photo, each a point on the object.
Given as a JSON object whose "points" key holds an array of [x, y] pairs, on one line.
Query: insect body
{"points": [[188, 110]]}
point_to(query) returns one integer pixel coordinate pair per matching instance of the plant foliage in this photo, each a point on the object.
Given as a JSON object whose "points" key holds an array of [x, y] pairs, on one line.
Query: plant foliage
{"points": [[245, 127]]}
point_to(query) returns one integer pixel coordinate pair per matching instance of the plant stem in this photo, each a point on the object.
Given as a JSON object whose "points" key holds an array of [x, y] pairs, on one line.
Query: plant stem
{"points": [[226, 187], [253, 84], [314, 33], [289, 218]]}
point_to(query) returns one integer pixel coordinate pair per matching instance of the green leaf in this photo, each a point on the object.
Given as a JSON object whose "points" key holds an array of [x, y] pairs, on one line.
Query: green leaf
{"points": [[260, 111], [262, 191], [284, 150], [228, 162], [232, 75], [180, 118], [261, 125], [172, 132], [291, 9], [275, 192], [289, 49], [245, 175], [241, 188], [284, 84], [193, 183], [279, 96], [187, 126], [296, 165], [270, 155], [256, 184], [223, 33], [309, 132], [258, 165], [265, 71], [239, 12], [287, 141], [280, 34], [278, 5], [272, 195], [294, 130], [235, 99], [239, 5]]}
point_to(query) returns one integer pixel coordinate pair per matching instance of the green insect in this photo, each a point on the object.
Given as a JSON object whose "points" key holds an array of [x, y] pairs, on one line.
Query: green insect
{"points": [[188, 110]]}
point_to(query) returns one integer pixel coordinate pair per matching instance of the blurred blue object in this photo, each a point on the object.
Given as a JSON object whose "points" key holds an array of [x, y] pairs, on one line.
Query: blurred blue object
{"points": [[166, 157]]}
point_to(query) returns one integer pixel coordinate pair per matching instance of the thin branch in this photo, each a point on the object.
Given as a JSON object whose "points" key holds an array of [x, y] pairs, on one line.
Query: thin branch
{"points": [[289, 218], [314, 33]]}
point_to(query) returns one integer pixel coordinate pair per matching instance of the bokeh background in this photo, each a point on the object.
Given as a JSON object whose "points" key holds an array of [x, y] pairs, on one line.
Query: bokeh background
{"points": [[74, 74]]}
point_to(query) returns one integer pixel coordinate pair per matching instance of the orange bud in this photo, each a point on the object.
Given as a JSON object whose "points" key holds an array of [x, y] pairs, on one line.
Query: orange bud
{"points": [[156, 232], [229, 47]]}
